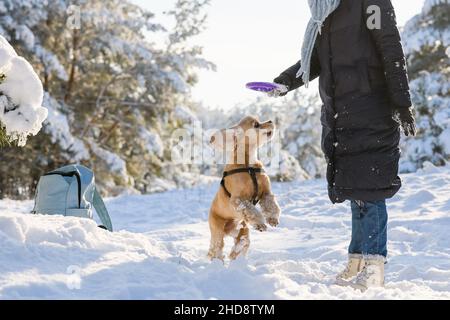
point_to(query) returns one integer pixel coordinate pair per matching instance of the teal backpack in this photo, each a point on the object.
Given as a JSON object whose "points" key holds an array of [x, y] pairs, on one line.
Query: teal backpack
{"points": [[70, 191]]}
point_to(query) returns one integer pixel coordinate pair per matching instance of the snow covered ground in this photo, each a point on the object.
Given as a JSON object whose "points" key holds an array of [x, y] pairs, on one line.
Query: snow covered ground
{"points": [[159, 249]]}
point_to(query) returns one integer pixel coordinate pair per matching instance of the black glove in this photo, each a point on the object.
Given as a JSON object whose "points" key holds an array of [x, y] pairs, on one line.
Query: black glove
{"points": [[284, 80], [405, 117]]}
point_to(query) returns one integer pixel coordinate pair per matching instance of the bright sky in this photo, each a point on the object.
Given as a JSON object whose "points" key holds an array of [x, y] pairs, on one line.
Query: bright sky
{"points": [[253, 40]]}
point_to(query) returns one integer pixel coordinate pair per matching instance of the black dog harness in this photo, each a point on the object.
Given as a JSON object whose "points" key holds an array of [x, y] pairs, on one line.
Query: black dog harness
{"points": [[252, 172]]}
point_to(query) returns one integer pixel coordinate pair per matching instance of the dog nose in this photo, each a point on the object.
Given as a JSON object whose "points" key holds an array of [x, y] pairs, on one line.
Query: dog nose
{"points": [[213, 138], [270, 121]]}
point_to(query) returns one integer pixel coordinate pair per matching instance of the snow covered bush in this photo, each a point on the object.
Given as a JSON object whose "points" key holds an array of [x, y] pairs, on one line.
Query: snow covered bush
{"points": [[21, 95], [426, 40]]}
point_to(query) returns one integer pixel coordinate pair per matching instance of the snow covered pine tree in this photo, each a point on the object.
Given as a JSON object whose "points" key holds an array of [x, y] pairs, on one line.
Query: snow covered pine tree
{"points": [[110, 91], [426, 40]]}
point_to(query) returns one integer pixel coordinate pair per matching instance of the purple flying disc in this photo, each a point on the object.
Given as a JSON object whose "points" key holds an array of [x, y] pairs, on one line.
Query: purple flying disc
{"points": [[262, 86]]}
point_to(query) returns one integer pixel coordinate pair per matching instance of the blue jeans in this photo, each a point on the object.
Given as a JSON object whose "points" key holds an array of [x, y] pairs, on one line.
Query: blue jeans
{"points": [[369, 228]]}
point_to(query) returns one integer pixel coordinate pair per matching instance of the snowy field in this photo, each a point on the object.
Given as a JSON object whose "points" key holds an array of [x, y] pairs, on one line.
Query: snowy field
{"points": [[159, 249]]}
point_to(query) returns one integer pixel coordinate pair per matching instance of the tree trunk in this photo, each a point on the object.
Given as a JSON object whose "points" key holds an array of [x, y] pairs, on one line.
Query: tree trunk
{"points": [[73, 66]]}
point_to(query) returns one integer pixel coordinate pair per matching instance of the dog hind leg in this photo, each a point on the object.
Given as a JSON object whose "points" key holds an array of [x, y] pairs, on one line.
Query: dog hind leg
{"points": [[217, 239], [241, 243]]}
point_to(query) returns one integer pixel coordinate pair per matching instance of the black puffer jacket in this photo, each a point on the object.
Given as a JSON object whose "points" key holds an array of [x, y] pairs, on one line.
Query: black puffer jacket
{"points": [[363, 79]]}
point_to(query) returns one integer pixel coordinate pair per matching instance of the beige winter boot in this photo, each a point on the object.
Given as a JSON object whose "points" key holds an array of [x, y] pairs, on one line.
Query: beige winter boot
{"points": [[372, 275], [354, 266]]}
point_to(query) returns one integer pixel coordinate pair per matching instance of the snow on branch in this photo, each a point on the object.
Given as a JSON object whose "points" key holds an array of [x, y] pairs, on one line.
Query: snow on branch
{"points": [[21, 96]]}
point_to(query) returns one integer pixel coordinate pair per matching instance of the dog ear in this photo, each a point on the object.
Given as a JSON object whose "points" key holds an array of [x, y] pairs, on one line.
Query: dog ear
{"points": [[224, 140]]}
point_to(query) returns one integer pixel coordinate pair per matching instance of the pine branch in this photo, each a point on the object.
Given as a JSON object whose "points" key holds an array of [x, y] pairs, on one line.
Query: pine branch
{"points": [[4, 140]]}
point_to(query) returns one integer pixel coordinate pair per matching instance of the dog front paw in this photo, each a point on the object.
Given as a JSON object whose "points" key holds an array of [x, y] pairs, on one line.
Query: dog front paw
{"points": [[261, 227], [273, 221]]}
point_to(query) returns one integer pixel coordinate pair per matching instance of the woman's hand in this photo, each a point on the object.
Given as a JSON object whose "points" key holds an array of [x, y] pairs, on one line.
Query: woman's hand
{"points": [[406, 118], [283, 80]]}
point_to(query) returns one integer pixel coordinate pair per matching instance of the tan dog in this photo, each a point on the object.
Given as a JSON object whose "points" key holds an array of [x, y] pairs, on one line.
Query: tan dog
{"points": [[233, 209]]}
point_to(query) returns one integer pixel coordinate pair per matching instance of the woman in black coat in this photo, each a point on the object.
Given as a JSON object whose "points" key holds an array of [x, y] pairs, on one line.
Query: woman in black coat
{"points": [[359, 60]]}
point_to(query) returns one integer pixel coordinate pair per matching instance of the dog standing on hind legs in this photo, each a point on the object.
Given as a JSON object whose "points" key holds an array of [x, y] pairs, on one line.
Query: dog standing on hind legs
{"points": [[243, 186]]}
